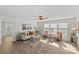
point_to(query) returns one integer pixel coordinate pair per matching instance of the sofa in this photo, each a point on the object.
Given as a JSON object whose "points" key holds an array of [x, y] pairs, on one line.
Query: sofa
{"points": [[23, 36]]}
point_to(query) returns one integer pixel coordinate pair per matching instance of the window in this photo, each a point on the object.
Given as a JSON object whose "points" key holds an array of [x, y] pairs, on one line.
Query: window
{"points": [[53, 25], [63, 28], [63, 25], [46, 25], [26, 26], [23, 26]]}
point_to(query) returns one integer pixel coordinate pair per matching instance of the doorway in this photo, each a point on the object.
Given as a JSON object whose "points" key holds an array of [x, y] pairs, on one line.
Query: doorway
{"points": [[6, 28]]}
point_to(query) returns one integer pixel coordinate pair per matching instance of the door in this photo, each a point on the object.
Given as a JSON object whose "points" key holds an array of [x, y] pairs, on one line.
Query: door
{"points": [[6, 28], [63, 28], [60, 27]]}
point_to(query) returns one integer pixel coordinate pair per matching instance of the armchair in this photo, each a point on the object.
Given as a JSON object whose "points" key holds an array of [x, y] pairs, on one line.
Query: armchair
{"points": [[58, 36]]}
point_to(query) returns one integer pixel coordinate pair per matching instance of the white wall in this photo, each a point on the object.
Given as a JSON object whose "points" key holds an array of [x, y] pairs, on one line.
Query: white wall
{"points": [[17, 24], [0, 31]]}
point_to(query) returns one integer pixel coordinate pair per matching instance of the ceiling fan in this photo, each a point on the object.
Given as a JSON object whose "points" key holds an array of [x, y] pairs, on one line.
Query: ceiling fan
{"points": [[41, 17]]}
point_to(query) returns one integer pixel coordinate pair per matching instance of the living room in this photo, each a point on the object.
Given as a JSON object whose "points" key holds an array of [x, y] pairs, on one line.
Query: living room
{"points": [[35, 31]]}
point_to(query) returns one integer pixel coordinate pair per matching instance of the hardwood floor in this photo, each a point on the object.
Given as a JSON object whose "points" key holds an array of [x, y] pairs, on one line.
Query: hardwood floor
{"points": [[39, 47]]}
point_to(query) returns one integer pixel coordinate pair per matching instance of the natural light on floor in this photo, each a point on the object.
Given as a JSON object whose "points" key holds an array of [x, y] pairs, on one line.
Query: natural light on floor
{"points": [[65, 46]]}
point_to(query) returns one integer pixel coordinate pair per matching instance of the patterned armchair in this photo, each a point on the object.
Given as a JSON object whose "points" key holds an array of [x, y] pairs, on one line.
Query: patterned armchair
{"points": [[58, 36], [45, 34]]}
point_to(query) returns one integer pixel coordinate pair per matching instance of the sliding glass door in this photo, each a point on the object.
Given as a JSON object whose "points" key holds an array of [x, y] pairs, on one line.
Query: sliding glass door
{"points": [[46, 27], [57, 27], [63, 28], [53, 28]]}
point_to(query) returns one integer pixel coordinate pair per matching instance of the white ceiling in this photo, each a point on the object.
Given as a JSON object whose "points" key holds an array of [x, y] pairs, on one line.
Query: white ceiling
{"points": [[28, 11]]}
